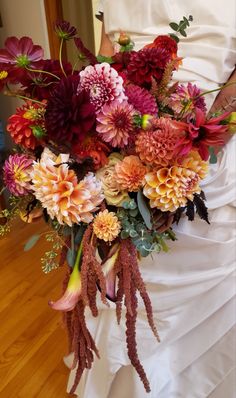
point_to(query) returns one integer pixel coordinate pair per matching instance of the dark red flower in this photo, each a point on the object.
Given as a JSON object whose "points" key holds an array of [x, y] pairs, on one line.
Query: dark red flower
{"points": [[84, 52], [64, 30], [69, 115], [201, 134], [141, 99], [6, 76], [41, 85], [92, 147], [147, 63]]}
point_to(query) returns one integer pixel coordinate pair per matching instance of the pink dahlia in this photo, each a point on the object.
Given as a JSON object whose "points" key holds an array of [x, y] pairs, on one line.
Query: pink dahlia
{"points": [[115, 123], [59, 191], [186, 99], [16, 174], [141, 99], [158, 147], [103, 84]]}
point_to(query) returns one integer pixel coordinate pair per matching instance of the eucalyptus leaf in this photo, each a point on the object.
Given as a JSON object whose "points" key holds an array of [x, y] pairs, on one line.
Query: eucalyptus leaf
{"points": [[31, 242], [186, 21], [144, 210], [174, 26], [79, 234], [213, 158], [174, 37], [183, 33]]}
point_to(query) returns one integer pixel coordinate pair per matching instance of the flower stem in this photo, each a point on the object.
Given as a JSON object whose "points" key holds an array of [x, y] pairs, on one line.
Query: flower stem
{"points": [[42, 71], [78, 256], [60, 57], [215, 89]]}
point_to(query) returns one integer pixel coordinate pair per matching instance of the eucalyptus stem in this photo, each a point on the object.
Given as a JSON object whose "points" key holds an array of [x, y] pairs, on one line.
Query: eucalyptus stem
{"points": [[60, 57], [42, 71]]}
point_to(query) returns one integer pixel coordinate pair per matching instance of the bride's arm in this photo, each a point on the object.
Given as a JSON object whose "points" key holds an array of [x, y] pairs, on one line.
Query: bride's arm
{"points": [[226, 99], [106, 47]]}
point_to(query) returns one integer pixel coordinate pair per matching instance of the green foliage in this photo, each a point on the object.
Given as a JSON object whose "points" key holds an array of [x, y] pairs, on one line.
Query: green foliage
{"points": [[49, 260], [102, 58], [145, 239], [180, 28]]}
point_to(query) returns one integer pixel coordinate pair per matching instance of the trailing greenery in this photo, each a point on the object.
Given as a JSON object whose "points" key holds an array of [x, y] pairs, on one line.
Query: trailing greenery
{"points": [[180, 28]]}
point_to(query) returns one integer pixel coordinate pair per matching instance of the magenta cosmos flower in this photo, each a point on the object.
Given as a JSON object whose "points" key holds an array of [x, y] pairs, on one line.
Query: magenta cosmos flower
{"points": [[16, 174], [20, 53]]}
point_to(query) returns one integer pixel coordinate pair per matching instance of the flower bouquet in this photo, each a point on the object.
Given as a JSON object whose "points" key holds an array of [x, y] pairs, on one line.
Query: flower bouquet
{"points": [[111, 156]]}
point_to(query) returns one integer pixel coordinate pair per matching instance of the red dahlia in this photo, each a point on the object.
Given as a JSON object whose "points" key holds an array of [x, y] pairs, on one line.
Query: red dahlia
{"points": [[69, 115], [148, 63], [141, 99]]}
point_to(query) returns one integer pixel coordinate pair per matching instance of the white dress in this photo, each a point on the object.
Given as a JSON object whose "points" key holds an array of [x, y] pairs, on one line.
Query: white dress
{"points": [[192, 287]]}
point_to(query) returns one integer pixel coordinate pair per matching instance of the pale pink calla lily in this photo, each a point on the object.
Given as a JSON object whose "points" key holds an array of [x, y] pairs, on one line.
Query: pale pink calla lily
{"points": [[71, 296], [108, 268]]}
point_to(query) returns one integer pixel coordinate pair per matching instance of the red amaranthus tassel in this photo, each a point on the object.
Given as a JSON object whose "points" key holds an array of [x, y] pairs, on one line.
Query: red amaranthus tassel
{"points": [[131, 282]]}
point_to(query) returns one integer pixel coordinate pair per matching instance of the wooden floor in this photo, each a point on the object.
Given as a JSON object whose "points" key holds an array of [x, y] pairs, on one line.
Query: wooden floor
{"points": [[32, 339]]}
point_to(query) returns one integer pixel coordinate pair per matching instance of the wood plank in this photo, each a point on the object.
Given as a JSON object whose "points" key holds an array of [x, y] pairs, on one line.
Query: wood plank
{"points": [[32, 339]]}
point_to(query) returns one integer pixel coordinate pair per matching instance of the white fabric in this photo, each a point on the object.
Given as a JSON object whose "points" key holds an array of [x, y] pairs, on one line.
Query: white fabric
{"points": [[192, 287]]}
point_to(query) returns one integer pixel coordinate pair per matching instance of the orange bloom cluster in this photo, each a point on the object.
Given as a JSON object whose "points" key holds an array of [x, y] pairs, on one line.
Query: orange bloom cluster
{"points": [[130, 173]]}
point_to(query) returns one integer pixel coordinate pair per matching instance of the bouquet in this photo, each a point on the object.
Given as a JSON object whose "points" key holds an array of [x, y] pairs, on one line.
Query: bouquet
{"points": [[111, 156]]}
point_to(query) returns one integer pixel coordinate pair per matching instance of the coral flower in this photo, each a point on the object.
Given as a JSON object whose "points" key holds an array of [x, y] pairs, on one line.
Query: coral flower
{"points": [[166, 42], [106, 226], [103, 84], [169, 188], [93, 148], [201, 134], [16, 174], [158, 147], [27, 125], [130, 173], [57, 188], [115, 123]]}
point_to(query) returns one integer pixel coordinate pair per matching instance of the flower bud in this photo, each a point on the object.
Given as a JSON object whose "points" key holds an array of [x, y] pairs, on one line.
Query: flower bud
{"points": [[124, 39]]}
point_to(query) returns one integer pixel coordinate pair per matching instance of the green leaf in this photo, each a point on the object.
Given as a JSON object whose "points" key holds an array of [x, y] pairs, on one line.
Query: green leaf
{"points": [[70, 257], [186, 21], [102, 58], [31, 242], [144, 210], [213, 158], [174, 26], [174, 37], [183, 33]]}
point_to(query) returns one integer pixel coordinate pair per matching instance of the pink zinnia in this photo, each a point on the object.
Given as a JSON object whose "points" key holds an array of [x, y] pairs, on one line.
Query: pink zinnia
{"points": [[103, 84], [16, 174], [115, 123]]}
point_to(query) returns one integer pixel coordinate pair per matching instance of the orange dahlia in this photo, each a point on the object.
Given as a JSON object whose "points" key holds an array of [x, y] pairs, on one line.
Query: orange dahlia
{"points": [[60, 192], [26, 127], [106, 226], [130, 173], [158, 147], [169, 188]]}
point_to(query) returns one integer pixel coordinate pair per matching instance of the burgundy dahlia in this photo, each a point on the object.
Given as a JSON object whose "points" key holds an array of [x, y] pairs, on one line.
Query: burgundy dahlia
{"points": [[141, 99], [69, 115], [147, 63]]}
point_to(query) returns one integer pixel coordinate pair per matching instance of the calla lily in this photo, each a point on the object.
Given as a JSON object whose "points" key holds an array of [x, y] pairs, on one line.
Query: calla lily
{"points": [[71, 296], [108, 268]]}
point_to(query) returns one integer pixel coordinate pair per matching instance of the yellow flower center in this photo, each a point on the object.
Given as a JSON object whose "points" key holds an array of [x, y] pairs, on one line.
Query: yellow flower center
{"points": [[19, 174], [3, 74]]}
